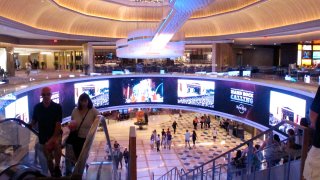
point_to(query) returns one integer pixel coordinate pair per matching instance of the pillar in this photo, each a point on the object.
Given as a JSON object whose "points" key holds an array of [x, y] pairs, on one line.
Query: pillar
{"points": [[214, 57], [88, 56], [132, 153], [224, 56], [10, 62]]}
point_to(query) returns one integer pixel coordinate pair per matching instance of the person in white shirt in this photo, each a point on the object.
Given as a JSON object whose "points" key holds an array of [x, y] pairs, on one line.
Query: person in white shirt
{"points": [[187, 138], [158, 142], [214, 133], [83, 112]]}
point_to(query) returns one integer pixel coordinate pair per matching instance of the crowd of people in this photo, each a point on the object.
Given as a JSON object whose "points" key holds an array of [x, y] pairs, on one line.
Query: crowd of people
{"points": [[164, 141], [205, 101]]}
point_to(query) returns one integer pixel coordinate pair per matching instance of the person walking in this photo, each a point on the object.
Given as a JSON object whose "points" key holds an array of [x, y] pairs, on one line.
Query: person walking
{"points": [[201, 122], [126, 156], [158, 142], [187, 139], [214, 133], [120, 156], [169, 139], [194, 138], [164, 140], [195, 123], [208, 120], [163, 133], [174, 126], [152, 141]]}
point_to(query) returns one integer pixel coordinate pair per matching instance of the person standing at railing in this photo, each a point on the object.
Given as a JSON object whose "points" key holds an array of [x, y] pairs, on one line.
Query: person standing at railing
{"points": [[312, 165], [48, 116]]}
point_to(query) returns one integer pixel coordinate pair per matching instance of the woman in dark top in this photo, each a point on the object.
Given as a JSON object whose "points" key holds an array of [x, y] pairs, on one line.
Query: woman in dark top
{"points": [[194, 138]]}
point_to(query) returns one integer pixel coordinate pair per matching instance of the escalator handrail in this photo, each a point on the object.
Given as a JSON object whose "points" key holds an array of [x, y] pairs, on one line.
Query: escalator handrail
{"points": [[82, 160], [20, 122], [276, 127]]}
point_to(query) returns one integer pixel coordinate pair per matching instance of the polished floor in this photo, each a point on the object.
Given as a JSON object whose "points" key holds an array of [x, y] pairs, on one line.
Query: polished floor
{"points": [[149, 161]]}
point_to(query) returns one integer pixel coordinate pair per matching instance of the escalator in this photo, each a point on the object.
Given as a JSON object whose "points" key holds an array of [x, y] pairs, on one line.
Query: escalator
{"points": [[20, 155], [17, 151]]}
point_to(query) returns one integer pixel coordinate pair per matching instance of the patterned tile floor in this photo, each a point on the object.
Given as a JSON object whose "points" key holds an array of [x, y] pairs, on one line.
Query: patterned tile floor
{"points": [[150, 161]]}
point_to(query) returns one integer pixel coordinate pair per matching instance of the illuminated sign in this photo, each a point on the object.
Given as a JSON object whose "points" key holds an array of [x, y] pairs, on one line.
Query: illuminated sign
{"points": [[242, 96]]}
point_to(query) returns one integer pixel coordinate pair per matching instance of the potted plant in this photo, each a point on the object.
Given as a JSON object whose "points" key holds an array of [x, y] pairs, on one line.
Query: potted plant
{"points": [[86, 69], [56, 65]]}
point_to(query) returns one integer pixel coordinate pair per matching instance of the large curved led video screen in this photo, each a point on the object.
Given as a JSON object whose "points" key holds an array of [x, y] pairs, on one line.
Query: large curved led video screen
{"points": [[136, 90], [264, 104], [196, 92]]}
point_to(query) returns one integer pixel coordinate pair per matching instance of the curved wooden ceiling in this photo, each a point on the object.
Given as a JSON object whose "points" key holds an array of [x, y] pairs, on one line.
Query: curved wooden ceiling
{"points": [[119, 12], [115, 21]]}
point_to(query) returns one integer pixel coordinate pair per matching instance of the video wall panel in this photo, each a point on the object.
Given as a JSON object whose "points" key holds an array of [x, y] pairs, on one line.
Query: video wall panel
{"points": [[286, 107], [98, 91], [145, 90], [262, 104], [196, 92], [243, 100]]}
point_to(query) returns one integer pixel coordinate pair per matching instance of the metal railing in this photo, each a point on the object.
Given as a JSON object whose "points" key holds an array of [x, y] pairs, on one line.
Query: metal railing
{"points": [[212, 170]]}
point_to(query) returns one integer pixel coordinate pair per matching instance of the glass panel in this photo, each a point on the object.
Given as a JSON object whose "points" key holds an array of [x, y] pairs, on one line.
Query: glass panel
{"points": [[17, 145]]}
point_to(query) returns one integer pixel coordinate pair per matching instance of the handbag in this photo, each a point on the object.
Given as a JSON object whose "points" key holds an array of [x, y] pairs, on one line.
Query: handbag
{"points": [[73, 136]]}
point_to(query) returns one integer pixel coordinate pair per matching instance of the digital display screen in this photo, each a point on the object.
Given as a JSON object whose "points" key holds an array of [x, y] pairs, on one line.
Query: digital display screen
{"points": [[18, 109], [98, 91], [246, 73], [196, 92], [316, 55], [233, 73], [242, 99], [143, 90], [306, 54], [285, 107]]}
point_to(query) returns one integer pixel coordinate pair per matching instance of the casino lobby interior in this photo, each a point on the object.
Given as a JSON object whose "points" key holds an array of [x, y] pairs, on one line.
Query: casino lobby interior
{"points": [[231, 59]]}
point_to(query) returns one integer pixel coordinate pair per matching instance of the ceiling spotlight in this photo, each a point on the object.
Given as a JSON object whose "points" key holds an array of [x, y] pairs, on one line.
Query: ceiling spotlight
{"points": [[274, 43]]}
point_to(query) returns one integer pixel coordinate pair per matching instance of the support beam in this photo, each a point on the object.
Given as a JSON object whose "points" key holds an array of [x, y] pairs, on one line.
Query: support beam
{"points": [[88, 56], [132, 154]]}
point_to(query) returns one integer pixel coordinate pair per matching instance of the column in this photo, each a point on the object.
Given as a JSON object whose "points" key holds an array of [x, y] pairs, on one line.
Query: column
{"points": [[214, 57], [88, 56], [10, 62], [132, 153]]}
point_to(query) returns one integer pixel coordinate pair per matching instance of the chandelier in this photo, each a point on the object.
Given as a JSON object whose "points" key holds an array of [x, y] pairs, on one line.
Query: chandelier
{"points": [[158, 43]]}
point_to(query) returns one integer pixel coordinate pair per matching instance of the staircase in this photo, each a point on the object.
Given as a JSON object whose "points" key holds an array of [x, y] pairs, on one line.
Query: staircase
{"points": [[271, 162]]}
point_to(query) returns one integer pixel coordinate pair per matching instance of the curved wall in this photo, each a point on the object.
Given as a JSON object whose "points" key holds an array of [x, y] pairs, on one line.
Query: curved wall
{"points": [[257, 104]]}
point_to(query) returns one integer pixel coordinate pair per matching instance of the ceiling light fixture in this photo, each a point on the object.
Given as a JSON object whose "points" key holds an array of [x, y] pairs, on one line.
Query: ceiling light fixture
{"points": [[156, 44]]}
